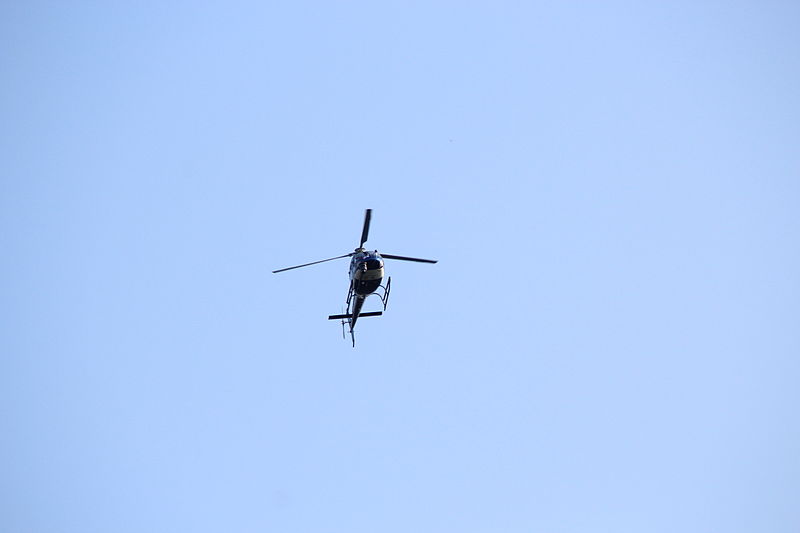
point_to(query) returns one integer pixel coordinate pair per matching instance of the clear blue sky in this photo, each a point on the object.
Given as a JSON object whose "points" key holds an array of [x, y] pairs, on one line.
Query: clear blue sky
{"points": [[609, 342]]}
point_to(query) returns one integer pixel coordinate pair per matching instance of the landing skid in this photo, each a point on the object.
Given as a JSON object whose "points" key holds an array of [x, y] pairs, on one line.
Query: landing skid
{"points": [[385, 296]]}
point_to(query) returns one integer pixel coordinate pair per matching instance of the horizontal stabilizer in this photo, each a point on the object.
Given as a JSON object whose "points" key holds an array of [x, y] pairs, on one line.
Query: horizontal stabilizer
{"points": [[372, 313]]}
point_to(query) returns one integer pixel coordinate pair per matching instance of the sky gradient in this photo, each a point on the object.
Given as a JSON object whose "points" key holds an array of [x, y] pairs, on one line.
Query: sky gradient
{"points": [[609, 342]]}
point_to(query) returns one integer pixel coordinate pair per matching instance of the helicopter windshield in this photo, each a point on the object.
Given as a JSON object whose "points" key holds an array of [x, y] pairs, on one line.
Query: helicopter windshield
{"points": [[373, 263]]}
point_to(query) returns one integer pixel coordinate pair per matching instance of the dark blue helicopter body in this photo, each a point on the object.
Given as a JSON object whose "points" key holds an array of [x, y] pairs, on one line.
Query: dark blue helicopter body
{"points": [[366, 272]]}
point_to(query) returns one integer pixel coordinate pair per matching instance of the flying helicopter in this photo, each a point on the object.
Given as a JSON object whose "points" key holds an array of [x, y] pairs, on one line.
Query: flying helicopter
{"points": [[366, 274]]}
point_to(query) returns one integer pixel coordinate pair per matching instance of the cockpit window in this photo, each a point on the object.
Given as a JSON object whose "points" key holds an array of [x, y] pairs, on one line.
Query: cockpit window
{"points": [[374, 264]]}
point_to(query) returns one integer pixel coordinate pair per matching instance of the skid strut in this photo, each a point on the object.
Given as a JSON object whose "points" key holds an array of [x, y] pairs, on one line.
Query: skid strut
{"points": [[386, 290]]}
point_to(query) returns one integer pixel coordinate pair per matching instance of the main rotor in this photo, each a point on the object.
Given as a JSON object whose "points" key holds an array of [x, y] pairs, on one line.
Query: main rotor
{"points": [[365, 231], [364, 236]]}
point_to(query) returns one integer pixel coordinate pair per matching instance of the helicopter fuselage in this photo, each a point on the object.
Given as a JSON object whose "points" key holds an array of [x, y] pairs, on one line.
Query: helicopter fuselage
{"points": [[366, 272]]}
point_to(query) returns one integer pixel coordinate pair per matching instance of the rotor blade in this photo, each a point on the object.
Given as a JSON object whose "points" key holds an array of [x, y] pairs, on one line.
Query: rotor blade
{"points": [[401, 258], [365, 231], [309, 264]]}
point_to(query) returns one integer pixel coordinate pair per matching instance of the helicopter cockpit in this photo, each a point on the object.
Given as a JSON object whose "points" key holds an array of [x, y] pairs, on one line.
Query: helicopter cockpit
{"points": [[373, 262]]}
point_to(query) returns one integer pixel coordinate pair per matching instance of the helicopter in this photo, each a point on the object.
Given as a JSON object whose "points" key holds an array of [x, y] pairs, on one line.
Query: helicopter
{"points": [[366, 274]]}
